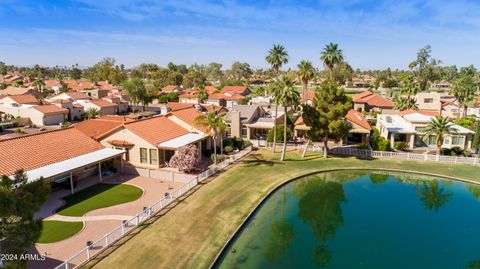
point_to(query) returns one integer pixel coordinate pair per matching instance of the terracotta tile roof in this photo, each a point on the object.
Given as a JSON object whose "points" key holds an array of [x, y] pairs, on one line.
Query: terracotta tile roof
{"points": [[235, 89], [299, 121], [103, 103], [424, 112], [170, 88], [156, 130], [24, 99], [78, 95], [120, 143], [178, 106], [60, 101], [98, 128], [309, 96], [226, 96], [358, 118], [117, 118], [373, 100], [34, 151], [188, 116], [51, 109], [77, 106], [15, 91]]}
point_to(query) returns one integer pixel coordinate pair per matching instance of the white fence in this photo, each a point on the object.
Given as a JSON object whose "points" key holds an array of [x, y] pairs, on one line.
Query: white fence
{"points": [[88, 253], [404, 156]]}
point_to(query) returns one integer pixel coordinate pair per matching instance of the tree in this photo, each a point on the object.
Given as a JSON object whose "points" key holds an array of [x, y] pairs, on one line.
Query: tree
{"points": [[202, 94], [424, 68], [193, 79], [185, 158], [405, 102], [331, 55], [439, 127], [464, 90], [19, 230], [92, 113], [213, 122], [3, 70], [326, 116], [408, 91], [287, 97], [240, 73], [476, 138], [38, 85], [277, 56], [305, 73], [137, 92]]}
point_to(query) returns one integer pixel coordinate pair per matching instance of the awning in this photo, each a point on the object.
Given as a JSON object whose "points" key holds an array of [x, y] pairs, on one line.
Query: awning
{"points": [[73, 163], [181, 141]]}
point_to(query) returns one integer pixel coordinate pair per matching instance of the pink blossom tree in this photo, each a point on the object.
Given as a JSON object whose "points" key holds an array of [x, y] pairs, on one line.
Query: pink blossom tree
{"points": [[185, 158]]}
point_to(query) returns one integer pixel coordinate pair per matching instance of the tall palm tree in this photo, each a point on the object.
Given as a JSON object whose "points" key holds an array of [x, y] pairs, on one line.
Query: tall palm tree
{"points": [[439, 127], [305, 73], [213, 122], [405, 102], [287, 96], [202, 94], [331, 56], [277, 56]]}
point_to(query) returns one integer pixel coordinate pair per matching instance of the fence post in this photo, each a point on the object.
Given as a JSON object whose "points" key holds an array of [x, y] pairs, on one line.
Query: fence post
{"points": [[138, 220], [66, 264], [106, 240], [456, 159]]}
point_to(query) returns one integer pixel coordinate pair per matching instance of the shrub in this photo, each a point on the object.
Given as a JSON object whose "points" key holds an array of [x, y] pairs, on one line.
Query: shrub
{"points": [[384, 144], [228, 149], [66, 124], [18, 131], [362, 146], [1, 129], [246, 144], [279, 134], [455, 151], [400, 145], [219, 157], [185, 158], [228, 142]]}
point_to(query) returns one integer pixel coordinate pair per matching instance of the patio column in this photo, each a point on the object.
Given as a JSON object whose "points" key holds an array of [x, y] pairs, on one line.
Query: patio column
{"points": [[392, 139], [121, 165], [412, 141], [100, 171], [71, 182]]}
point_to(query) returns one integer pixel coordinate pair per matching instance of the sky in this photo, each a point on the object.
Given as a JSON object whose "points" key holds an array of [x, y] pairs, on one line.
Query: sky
{"points": [[372, 34]]}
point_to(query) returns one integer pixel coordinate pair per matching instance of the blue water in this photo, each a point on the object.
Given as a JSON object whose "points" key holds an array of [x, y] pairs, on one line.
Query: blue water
{"points": [[362, 220]]}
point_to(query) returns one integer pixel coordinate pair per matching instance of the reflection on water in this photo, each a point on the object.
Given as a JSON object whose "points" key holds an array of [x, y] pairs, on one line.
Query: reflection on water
{"points": [[362, 220]]}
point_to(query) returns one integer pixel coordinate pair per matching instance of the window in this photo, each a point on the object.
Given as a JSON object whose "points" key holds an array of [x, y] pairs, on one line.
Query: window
{"points": [[458, 140], [153, 157], [244, 131], [432, 140], [419, 129], [143, 155], [428, 100], [229, 131]]}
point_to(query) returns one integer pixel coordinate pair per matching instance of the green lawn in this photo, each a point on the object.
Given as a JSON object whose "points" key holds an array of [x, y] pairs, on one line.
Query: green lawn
{"points": [[53, 231], [192, 234], [99, 196]]}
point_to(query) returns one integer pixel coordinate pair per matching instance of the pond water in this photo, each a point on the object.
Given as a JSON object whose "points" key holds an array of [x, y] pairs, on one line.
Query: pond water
{"points": [[362, 220]]}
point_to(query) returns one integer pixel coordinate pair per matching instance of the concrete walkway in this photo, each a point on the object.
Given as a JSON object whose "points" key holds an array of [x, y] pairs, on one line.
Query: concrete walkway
{"points": [[89, 218]]}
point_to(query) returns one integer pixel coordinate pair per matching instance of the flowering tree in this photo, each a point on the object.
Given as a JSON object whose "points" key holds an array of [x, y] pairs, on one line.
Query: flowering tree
{"points": [[185, 158]]}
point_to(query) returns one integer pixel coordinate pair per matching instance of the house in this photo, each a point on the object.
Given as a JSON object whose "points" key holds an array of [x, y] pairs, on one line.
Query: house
{"points": [[18, 91], [228, 96], [60, 156], [408, 126], [150, 143], [75, 111], [17, 100], [368, 101], [48, 115], [359, 131], [172, 88], [103, 106], [252, 121], [117, 99], [71, 96]]}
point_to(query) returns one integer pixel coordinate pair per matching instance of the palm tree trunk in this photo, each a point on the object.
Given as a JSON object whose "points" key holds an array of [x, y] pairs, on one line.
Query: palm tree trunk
{"points": [[282, 157], [275, 127], [325, 147], [221, 144], [214, 150], [304, 92], [305, 149]]}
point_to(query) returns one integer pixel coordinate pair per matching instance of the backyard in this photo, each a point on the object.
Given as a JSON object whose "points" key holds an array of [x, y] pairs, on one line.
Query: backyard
{"points": [[192, 233]]}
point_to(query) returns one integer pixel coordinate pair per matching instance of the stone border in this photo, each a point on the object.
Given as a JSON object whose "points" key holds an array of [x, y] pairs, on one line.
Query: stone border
{"points": [[286, 181]]}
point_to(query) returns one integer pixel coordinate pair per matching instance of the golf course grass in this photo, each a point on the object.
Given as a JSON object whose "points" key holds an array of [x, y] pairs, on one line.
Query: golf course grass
{"points": [[193, 233], [99, 196], [53, 231]]}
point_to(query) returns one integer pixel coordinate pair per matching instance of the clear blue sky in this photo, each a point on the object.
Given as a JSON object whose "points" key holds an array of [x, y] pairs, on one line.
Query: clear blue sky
{"points": [[372, 34]]}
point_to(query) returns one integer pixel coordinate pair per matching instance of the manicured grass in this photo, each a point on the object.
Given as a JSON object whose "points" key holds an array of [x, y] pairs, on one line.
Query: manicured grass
{"points": [[192, 234], [53, 231], [99, 196]]}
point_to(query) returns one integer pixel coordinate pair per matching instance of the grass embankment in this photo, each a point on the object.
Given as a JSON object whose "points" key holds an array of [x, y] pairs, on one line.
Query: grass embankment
{"points": [[53, 231], [192, 234], [98, 196]]}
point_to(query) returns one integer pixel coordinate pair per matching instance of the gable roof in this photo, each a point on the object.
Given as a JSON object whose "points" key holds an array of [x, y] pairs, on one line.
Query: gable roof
{"points": [[235, 89], [97, 128], [77, 95], [188, 116], [102, 103], [170, 88], [23, 99], [15, 91], [51, 109], [37, 150], [156, 130], [373, 100], [358, 118]]}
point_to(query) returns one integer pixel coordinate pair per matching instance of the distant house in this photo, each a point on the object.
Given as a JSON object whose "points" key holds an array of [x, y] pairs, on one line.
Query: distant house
{"points": [[368, 101], [172, 88], [228, 96], [17, 100], [48, 115], [71, 96], [359, 127], [105, 107], [75, 111], [18, 91], [408, 126]]}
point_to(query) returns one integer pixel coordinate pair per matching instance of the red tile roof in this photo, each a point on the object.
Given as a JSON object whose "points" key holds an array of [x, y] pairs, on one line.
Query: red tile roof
{"points": [[51, 109], [373, 100], [98, 128], [309, 96], [358, 118], [24, 99], [156, 130], [170, 88], [235, 89], [103, 103], [120, 143], [178, 106], [299, 121], [78, 95], [424, 112], [34, 151], [188, 116]]}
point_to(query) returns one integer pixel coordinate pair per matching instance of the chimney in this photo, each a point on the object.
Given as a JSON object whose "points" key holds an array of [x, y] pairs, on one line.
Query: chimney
{"points": [[235, 124]]}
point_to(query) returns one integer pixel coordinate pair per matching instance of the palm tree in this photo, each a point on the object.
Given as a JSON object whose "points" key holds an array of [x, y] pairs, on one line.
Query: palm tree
{"points": [[432, 195], [405, 102], [202, 94], [331, 56], [306, 72], [277, 56], [439, 127], [287, 96], [92, 113], [275, 92], [38, 84], [214, 124]]}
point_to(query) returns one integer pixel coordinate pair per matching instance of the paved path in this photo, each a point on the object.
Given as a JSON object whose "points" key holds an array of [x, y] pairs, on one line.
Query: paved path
{"points": [[89, 218]]}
